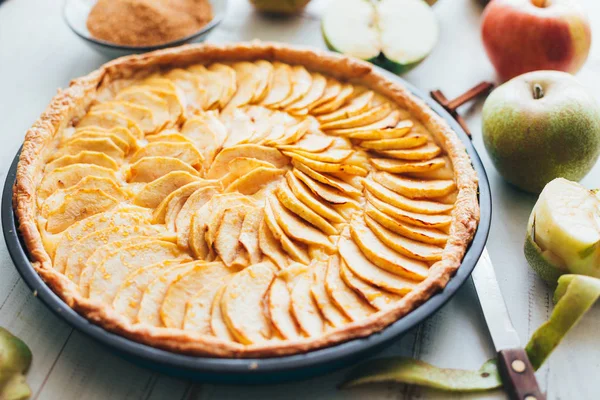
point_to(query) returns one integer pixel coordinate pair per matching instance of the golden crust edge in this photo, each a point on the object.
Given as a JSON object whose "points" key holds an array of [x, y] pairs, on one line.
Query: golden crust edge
{"points": [[67, 103]]}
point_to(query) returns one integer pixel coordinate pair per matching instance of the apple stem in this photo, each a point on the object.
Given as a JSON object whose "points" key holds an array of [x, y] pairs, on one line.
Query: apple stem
{"points": [[538, 92]]}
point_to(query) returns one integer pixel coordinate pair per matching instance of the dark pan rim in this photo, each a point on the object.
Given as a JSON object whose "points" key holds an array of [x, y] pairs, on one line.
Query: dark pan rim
{"points": [[257, 366]]}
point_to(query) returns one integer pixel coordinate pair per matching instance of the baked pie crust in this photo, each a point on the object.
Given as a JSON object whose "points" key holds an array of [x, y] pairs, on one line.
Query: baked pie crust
{"points": [[243, 200]]}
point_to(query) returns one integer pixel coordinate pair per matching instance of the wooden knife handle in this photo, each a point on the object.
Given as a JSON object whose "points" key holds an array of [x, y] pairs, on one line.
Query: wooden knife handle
{"points": [[518, 375]]}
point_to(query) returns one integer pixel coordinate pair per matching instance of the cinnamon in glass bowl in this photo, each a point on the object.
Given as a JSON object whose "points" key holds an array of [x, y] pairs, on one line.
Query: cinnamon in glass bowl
{"points": [[140, 23]]}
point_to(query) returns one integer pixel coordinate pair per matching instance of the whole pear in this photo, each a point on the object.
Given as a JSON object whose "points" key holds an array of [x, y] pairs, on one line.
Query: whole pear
{"points": [[539, 126]]}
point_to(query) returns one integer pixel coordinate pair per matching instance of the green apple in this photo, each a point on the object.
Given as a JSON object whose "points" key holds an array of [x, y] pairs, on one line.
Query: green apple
{"points": [[563, 233], [15, 358], [539, 126], [280, 6], [395, 34]]}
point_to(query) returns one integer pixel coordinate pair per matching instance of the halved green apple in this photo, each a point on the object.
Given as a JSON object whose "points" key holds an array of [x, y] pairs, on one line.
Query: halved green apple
{"points": [[563, 234], [394, 34]]}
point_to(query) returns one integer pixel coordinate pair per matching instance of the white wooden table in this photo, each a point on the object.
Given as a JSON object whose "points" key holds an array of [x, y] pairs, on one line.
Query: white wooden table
{"points": [[39, 54]]}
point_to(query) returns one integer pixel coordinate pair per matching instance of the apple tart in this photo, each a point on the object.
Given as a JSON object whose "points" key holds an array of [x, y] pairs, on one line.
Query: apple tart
{"points": [[244, 200]]}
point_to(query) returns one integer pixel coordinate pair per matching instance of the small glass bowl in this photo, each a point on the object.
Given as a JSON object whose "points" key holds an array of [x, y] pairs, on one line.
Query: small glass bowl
{"points": [[75, 13]]}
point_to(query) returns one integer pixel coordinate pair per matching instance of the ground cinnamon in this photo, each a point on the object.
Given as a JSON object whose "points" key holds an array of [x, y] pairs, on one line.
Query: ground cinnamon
{"points": [[147, 22]]}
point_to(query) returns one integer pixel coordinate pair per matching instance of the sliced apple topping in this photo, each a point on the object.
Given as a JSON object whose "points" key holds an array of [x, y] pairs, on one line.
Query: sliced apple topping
{"points": [[109, 119], [112, 271], [221, 164], [270, 246], [390, 121], [255, 180], [83, 249], [400, 166], [227, 244], [405, 203], [409, 217], [242, 303], [120, 136], [386, 257], [345, 92], [415, 188], [396, 131], [355, 106], [405, 246], [368, 117], [279, 305], [304, 309], [169, 207], [362, 267], [83, 157], [206, 140], [192, 205], [253, 201], [321, 166], [192, 95], [296, 251], [142, 115], [303, 194], [281, 85], [158, 106], [70, 175], [329, 180], [311, 143], [107, 185], [314, 94], [203, 276], [199, 307], [406, 142], [301, 83], [249, 234], [425, 235], [351, 304], [295, 227], [185, 152], [147, 169], [330, 311], [226, 81], [248, 80], [218, 325], [129, 295], [378, 298], [154, 294], [153, 193], [426, 152]]}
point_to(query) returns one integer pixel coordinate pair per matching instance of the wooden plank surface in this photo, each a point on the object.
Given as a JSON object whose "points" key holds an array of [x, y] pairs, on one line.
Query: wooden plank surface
{"points": [[38, 54]]}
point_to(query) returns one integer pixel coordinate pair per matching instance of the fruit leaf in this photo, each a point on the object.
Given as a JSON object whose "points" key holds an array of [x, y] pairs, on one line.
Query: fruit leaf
{"points": [[415, 372], [574, 296]]}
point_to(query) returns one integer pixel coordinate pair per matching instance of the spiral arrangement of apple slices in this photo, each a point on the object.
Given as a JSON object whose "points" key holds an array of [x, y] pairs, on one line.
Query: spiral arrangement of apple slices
{"points": [[252, 201]]}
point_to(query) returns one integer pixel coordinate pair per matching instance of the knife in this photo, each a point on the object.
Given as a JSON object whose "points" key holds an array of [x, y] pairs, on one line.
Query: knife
{"points": [[517, 373]]}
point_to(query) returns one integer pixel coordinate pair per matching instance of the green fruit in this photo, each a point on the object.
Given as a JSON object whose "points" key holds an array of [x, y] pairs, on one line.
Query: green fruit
{"points": [[394, 34], [540, 126], [15, 358], [563, 233], [280, 6]]}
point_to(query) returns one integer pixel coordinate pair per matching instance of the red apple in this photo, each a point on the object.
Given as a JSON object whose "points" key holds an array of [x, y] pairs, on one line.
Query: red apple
{"points": [[529, 35]]}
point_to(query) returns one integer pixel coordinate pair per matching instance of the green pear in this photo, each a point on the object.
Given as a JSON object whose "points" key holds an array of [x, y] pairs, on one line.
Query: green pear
{"points": [[540, 126], [563, 233], [15, 358]]}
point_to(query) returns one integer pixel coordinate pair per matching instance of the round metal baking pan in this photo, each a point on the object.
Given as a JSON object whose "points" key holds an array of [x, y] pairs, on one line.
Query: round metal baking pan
{"points": [[255, 371]]}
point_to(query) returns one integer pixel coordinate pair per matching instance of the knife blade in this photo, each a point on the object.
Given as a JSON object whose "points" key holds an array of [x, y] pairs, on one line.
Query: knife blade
{"points": [[517, 372]]}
